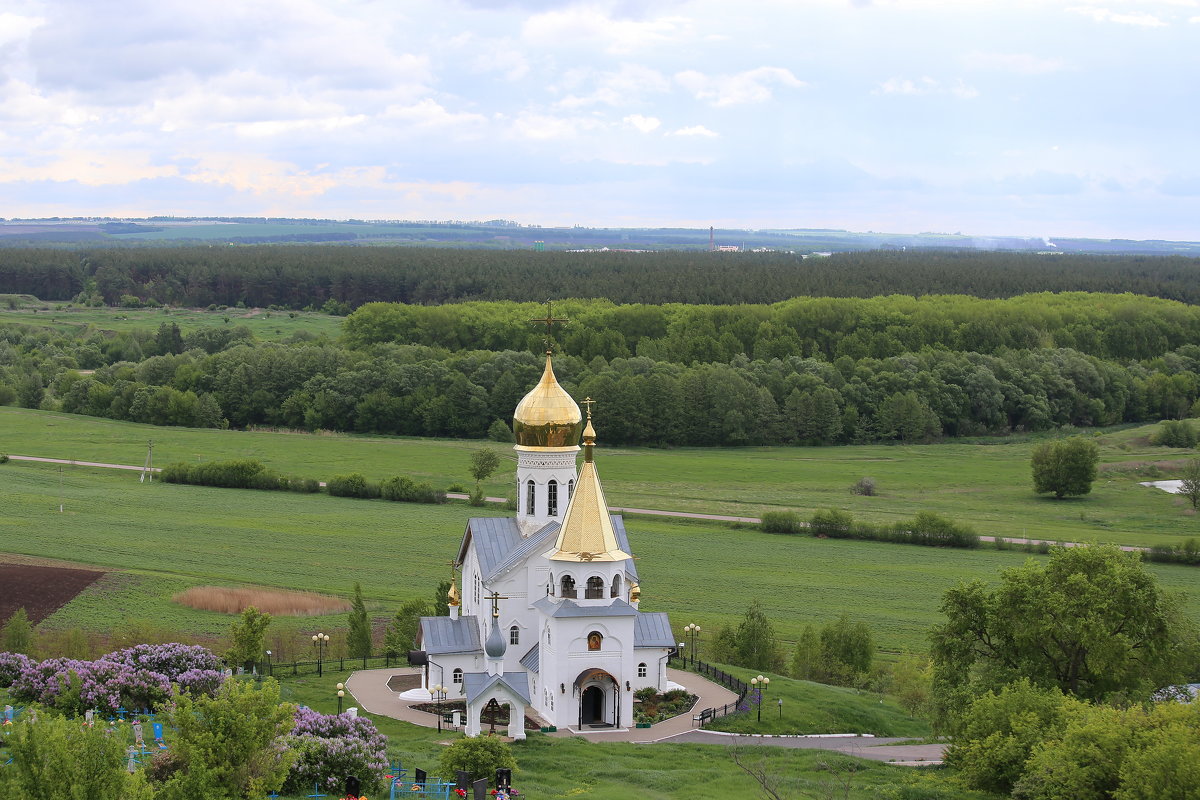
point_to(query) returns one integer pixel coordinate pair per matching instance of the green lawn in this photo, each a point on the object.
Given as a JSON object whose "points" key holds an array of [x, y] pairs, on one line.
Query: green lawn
{"points": [[268, 325], [165, 537], [985, 485]]}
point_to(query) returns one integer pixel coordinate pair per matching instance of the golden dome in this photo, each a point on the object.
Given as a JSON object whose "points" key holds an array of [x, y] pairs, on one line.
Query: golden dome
{"points": [[547, 416]]}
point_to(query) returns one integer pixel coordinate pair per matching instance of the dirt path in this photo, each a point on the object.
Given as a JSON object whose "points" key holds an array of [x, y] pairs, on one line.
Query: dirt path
{"points": [[370, 689]]}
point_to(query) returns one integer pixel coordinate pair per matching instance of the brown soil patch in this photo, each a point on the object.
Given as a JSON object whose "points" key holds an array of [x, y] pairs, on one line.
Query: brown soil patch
{"points": [[276, 602], [40, 590], [1140, 466]]}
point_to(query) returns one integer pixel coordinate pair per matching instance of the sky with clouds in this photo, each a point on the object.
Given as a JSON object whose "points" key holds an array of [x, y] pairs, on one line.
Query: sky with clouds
{"points": [[1021, 117]]}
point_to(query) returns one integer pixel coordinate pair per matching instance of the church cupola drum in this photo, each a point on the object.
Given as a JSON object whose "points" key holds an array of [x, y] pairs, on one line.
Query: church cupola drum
{"points": [[547, 425]]}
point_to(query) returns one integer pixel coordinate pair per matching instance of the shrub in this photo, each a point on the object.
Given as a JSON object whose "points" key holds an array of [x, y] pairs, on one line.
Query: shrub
{"points": [[401, 489], [781, 522], [864, 487], [303, 485], [645, 693], [352, 485], [3, 456], [480, 756], [933, 530], [330, 747], [239, 473], [1174, 433], [11, 666], [456, 487], [834, 523], [500, 432]]}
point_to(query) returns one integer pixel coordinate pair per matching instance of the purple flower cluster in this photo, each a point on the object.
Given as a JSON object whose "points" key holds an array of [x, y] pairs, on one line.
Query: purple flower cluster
{"points": [[200, 681], [12, 665], [135, 678], [329, 747], [171, 660]]}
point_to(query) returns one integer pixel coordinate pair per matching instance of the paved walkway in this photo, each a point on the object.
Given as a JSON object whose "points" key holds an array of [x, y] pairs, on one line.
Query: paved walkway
{"points": [[369, 688]]}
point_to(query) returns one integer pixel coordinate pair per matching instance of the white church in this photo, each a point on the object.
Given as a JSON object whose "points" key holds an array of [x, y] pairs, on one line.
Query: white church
{"points": [[548, 615]]}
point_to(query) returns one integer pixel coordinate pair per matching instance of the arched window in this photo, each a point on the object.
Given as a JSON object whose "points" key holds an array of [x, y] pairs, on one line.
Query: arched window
{"points": [[594, 640], [642, 670], [595, 588], [550, 585], [568, 586], [530, 497], [552, 498], [514, 635], [570, 489], [616, 586], [456, 676]]}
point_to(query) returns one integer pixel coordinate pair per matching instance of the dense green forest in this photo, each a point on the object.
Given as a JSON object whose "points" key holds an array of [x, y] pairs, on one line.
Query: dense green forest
{"points": [[309, 276], [915, 369]]}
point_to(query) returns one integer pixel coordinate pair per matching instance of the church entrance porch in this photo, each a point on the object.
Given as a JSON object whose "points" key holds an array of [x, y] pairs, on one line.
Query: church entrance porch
{"points": [[599, 700]]}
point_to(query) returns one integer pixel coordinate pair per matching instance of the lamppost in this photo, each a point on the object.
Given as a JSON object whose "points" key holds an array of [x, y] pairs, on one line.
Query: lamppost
{"points": [[269, 672], [320, 640], [693, 630], [341, 689], [760, 683], [439, 692]]}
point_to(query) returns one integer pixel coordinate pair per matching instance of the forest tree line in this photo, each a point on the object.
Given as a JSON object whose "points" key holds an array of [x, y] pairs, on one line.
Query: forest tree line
{"points": [[214, 377], [303, 276]]}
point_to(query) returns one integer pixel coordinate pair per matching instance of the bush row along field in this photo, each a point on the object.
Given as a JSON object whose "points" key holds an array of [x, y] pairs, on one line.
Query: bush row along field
{"points": [[165, 538], [986, 485]]}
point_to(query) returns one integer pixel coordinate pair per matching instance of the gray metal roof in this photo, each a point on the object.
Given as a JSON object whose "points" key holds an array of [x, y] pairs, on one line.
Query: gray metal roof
{"points": [[652, 629], [532, 660], [569, 608], [623, 540], [500, 546], [476, 684], [525, 548], [444, 635], [494, 538]]}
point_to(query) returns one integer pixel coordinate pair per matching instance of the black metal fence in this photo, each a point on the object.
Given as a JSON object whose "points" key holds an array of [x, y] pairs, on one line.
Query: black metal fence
{"points": [[332, 664], [717, 676]]}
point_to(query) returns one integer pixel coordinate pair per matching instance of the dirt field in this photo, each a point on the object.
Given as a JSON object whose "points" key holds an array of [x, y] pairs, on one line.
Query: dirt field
{"points": [[41, 590]]}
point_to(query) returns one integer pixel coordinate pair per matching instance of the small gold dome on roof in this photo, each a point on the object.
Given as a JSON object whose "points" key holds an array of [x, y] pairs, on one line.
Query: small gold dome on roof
{"points": [[453, 597], [547, 416]]}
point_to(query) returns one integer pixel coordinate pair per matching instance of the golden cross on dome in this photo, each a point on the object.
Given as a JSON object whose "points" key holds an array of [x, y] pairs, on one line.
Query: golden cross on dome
{"points": [[549, 321], [587, 401], [495, 598]]}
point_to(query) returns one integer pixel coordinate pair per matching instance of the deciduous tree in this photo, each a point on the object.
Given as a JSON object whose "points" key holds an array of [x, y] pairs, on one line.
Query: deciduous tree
{"points": [[1065, 466]]}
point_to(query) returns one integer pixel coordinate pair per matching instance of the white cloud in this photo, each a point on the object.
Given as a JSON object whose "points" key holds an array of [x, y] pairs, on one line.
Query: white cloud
{"points": [[90, 168], [1107, 15], [588, 25], [1016, 63], [926, 86], [428, 113], [530, 125], [751, 86], [643, 124], [16, 28], [694, 130], [628, 84]]}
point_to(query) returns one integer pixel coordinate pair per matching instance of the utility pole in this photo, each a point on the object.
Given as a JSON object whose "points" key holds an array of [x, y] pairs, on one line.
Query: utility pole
{"points": [[60, 496], [148, 467]]}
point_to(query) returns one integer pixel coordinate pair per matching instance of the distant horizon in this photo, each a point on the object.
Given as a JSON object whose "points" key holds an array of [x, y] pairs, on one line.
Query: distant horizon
{"points": [[502, 222]]}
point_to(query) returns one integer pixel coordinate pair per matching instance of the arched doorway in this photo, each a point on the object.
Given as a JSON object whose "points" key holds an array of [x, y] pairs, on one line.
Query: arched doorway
{"points": [[592, 706], [599, 699]]}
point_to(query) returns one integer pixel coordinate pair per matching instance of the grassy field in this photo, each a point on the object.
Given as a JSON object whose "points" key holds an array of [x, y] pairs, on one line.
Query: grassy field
{"points": [[986, 485], [268, 325], [162, 538]]}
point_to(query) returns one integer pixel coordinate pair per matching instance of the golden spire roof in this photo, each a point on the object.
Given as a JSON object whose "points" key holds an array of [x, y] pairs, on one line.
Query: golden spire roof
{"points": [[452, 596], [547, 416], [587, 531]]}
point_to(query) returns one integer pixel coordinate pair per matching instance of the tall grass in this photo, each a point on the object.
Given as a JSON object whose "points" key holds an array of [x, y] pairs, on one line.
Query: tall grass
{"points": [[278, 603]]}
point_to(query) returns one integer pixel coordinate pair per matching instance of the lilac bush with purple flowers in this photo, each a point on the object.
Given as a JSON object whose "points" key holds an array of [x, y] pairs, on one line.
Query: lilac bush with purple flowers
{"points": [[171, 660], [12, 665], [329, 747], [200, 681], [135, 678]]}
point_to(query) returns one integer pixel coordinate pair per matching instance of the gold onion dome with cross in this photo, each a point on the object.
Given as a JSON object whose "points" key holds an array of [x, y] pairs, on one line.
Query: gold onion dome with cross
{"points": [[547, 416]]}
